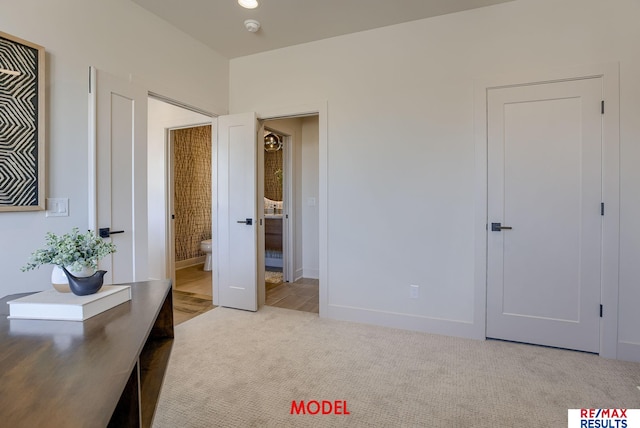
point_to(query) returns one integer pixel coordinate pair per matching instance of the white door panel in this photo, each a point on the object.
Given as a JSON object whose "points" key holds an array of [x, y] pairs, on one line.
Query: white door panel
{"points": [[121, 187], [119, 173], [237, 196], [545, 182]]}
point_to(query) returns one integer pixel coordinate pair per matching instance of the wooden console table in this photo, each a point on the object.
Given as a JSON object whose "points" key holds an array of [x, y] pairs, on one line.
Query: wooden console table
{"points": [[105, 371]]}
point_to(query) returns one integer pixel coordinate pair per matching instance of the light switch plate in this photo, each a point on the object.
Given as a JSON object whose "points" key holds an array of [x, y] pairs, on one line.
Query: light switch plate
{"points": [[57, 207]]}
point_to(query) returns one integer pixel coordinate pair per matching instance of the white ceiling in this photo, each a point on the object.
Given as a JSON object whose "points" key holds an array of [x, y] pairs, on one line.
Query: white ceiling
{"points": [[220, 23]]}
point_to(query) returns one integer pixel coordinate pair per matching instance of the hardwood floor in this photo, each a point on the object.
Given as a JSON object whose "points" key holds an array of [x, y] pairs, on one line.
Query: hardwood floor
{"points": [[301, 295], [192, 294]]}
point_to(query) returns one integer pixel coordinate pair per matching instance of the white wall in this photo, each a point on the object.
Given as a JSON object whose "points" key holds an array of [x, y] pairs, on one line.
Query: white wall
{"points": [[310, 190], [162, 116], [121, 38], [401, 147]]}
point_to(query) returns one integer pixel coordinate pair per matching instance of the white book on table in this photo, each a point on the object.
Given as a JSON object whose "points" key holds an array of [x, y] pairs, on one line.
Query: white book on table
{"points": [[53, 305]]}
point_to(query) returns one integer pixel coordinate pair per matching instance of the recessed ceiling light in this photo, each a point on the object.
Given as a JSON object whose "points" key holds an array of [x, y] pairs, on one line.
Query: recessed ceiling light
{"points": [[248, 4]]}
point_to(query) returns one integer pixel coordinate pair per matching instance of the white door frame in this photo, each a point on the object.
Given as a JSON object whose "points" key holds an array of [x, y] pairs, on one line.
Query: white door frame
{"points": [[289, 211], [320, 109], [610, 190]]}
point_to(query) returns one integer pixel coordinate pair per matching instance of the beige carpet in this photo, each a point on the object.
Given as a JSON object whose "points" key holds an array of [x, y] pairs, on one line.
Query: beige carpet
{"points": [[231, 368]]}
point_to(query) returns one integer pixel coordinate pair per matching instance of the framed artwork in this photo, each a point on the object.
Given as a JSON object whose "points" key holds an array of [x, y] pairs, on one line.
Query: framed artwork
{"points": [[22, 145]]}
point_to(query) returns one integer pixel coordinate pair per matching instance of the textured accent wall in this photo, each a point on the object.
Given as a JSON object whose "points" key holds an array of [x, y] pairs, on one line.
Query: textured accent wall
{"points": [[192, 199], [272, 186]]}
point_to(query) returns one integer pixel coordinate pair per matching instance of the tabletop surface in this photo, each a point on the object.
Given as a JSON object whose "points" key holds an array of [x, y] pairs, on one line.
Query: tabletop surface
{"points": [[72, 373]]}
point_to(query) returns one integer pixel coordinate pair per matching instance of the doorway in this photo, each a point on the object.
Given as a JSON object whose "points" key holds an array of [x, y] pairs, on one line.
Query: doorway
{"points": [[190, 172], [545, 213], [170, 256], [608, 108], [291, 213]]}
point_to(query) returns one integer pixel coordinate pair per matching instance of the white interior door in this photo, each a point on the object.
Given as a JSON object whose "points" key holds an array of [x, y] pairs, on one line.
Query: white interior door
{"points": [[544, 176], [237, 212], [118, 173]]}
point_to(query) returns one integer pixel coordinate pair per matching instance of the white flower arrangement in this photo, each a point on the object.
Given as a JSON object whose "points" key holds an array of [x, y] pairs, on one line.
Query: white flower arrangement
{"points": [[72, 250]]}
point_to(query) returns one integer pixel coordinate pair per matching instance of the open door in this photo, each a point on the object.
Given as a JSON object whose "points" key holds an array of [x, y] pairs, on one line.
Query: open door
{"points": [[118, 173], [238, 266]]}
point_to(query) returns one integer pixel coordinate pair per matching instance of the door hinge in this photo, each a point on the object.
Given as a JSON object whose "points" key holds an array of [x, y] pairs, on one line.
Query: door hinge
{"points": [[601, 208], [600, 311], [602, 107]]}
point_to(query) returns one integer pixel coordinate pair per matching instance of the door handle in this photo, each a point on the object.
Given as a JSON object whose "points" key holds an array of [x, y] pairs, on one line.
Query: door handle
{"points": [[105, 232], [248, 221], [496, 227]]}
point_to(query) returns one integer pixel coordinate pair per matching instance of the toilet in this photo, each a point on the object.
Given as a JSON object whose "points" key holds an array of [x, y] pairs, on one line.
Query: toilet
{"points": [[205, 247]]}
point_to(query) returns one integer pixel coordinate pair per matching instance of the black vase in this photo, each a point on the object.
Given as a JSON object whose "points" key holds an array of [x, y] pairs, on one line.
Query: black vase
{"points": [[83, 286]]}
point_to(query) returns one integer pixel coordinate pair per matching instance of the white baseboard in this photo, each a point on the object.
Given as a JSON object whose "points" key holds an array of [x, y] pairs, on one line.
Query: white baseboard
{"points": [[629, 351], [190, 262], [298, 274], [444, 327]]}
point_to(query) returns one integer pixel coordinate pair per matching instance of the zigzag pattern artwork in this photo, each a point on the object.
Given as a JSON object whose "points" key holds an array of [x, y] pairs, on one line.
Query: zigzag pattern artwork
{"points": [[18, 124]]}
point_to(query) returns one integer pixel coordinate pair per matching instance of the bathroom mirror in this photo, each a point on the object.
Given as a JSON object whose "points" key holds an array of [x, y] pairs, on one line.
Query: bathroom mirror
{"points": [[273, 170]]}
